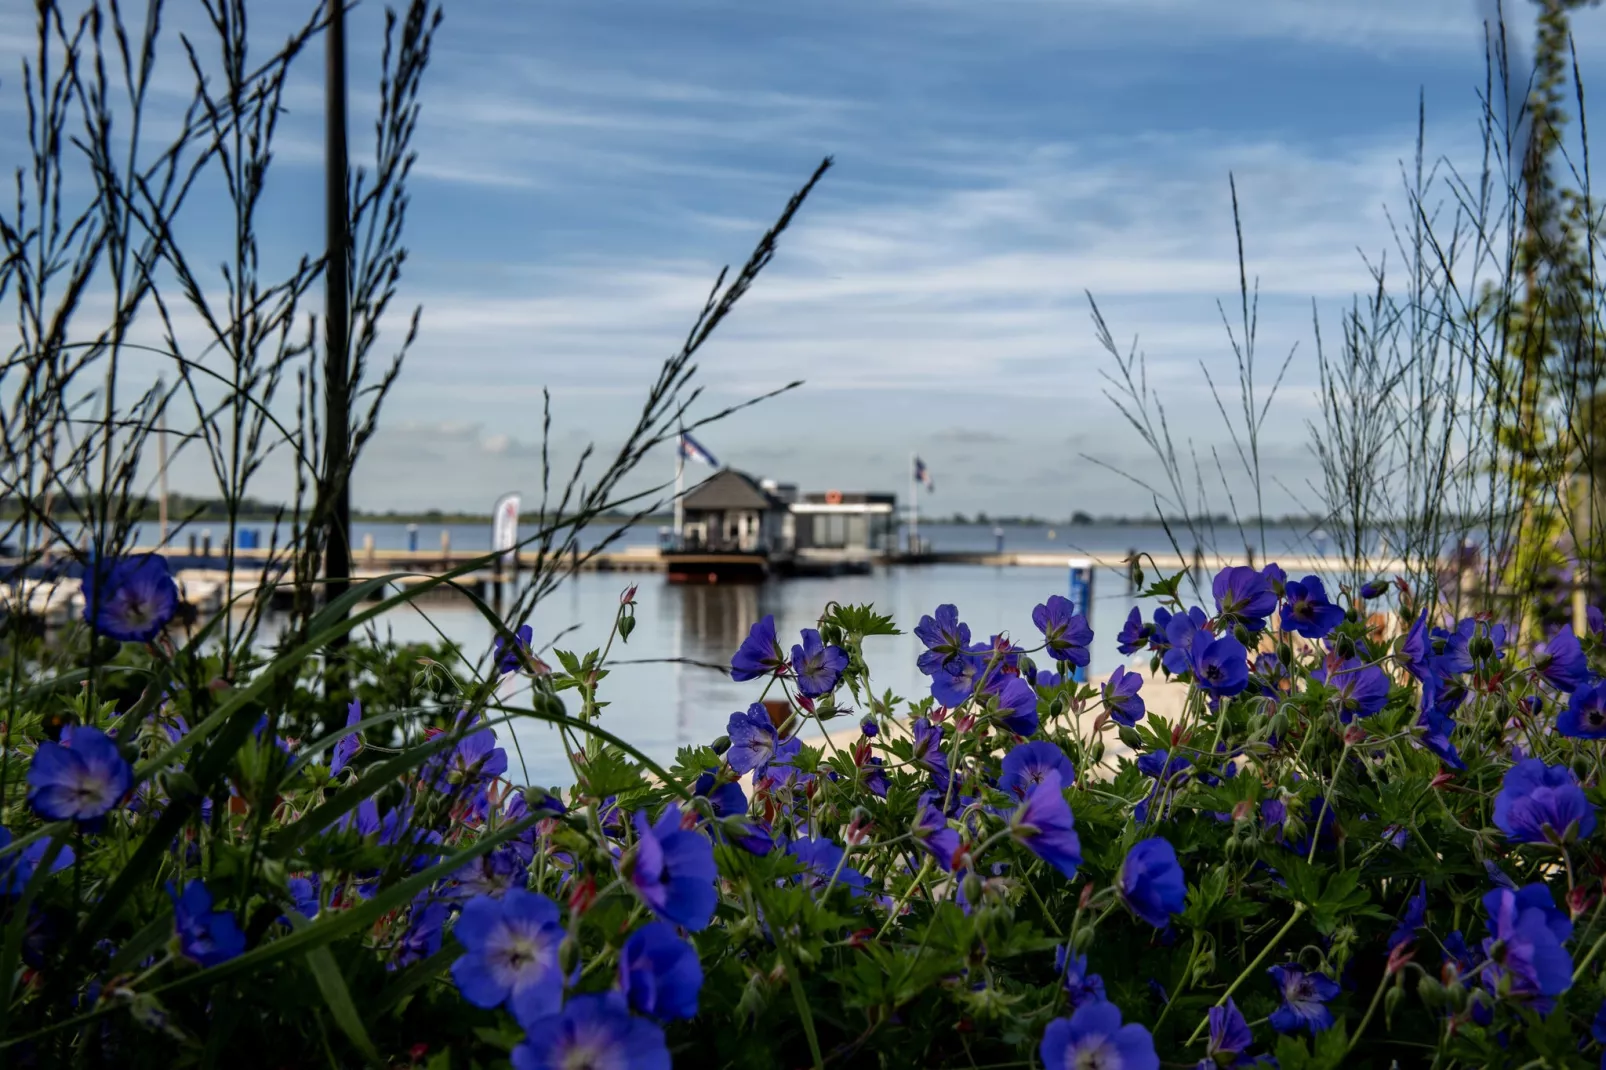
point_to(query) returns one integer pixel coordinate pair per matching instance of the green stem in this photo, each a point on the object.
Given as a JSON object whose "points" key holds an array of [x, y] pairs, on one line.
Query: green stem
{"points": [[1299, 912], [1377, 997]]}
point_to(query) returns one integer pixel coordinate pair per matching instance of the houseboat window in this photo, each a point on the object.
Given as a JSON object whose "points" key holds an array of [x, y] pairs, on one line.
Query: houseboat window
{"points": [[857, 534]]}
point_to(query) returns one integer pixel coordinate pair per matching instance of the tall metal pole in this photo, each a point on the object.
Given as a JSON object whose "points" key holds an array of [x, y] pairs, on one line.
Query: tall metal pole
{"points": [[914, 506], [337, 304]]}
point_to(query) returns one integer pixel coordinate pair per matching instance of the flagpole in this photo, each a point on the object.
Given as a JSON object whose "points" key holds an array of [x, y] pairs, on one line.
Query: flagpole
{"points": [[914, 508], [680, 483]]}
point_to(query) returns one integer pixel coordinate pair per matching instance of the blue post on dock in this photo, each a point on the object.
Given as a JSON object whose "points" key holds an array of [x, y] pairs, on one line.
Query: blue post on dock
{"points": [[1081, 595]]}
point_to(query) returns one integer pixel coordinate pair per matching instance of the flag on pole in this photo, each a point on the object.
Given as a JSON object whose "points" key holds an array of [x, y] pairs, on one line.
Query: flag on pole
{"points": [[923, 476], [505, 526], [692, 450]]}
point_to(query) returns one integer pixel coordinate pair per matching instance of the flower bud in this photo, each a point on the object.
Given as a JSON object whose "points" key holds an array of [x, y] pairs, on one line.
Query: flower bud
{"points": [[1095, 753], [1391, 1003], [1285, 654], [627, 624], [971, 886], [1057, 707], [1345, 647], [1084, 938], [1244, 636], [1130, 737], [1279, 724], [1432, 993], [1481, 648], [722, 744], [1204, 967]]}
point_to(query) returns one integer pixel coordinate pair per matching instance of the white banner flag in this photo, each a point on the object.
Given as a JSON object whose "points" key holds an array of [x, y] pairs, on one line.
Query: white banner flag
{"points": [[505, 526]]}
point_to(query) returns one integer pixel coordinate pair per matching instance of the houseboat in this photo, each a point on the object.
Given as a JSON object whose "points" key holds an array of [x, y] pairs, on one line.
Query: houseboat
{"points": [[735, 528]]}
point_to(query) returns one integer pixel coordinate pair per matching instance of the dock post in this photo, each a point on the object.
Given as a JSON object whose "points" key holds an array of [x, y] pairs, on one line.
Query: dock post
{"points": [[206, 542], [1131, 563], [368, 548], [192, 544], [446, 549], [1081, 593], [412, 538], [1249, 555], [496, 583]]}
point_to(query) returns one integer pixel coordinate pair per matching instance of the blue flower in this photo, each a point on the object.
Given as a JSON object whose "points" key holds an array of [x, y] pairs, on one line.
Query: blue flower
{"points": [[304, 895], [1026, 765], [674, 870], [1540, 803], [928, 749], [1229, 1035], [931, 831], [1305, 997], [423, 936], [817, 667], [753, 739], [1045, 826], [1151, 882], [130, 599], [1374, 589], [1065, 631], [493, 874], [348, 743], [875, 776], [760, 653], [955, 680], [1560, 660], [945, 637], [205, 935], [594, 1031], [1243, 596], [18, 868], [821, 859], [1525, 946], [1308, 612], [1220, 666], [1017, 703], [1080, 986], [1276, 578], [511, 954], [1438, 727], [1121, 697], [1093, 1036], [1182, 631], [1134, 634], [1362, 688], [727, 799], [474, 761], [1585, 715], [79, 779], [510, 657], [1416, 917], [1416, 652], [659, 973]]}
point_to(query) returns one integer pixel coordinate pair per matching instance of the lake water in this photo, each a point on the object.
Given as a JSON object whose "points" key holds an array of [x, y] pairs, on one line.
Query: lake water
{"points": [[660, 702]]}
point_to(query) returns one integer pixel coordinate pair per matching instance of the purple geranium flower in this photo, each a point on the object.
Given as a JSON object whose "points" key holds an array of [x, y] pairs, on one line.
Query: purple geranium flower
{"points": [[1585, 715], [1560, 660], [493, 874], [928, 749], [1416, 918], [1093, 1036], [818, 667], [1305, 997], [1151, 882], [1308, 612], [1416, 651], [1526, 944], [1182, 631], [347, 745], [18, 868], [511, 954], [594, 1031], [1027, 764], [1362, 688], [1017, 703], [79, 779], [1540, 803], [954, 681], [1134, 634], [130, 599], [1220, 666], [474, 761], [727, 798], [423, 936], [1438, 726], [674, 870], [945, 636], [1121, 696], [1229, 1035], [822, 859], [1243, 596], [208, 936], [509, 657], [753, 739], [760, 653], [659, 972], [1080, 986], [1066, 632], [1045, 825], [931, 831]]}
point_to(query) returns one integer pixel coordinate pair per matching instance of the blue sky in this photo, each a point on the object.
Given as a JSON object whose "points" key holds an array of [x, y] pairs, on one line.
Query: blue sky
{"points": [[587, 165]]}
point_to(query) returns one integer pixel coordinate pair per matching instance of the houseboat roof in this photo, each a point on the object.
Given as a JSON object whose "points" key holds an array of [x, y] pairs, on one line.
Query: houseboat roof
{"points": [[729, 489]]}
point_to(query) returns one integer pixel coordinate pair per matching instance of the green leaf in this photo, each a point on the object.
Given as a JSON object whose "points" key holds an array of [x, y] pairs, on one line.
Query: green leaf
{"points": [[321, 961], [607, 773], [861, 621]]}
